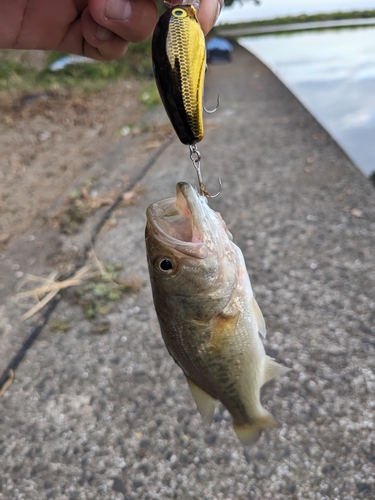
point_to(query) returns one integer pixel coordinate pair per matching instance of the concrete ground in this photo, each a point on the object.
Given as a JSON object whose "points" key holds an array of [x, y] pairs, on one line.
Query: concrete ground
{"points": [[109, 415]]}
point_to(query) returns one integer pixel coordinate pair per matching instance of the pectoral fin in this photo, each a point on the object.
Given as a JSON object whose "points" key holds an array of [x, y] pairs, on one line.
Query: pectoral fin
{"points": [[205, 403], [272, 369], [261, 324], [250, 434]]}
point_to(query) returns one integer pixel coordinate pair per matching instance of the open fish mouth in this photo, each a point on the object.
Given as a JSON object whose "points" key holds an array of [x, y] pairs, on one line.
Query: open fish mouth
{"points": [[180, 222]]}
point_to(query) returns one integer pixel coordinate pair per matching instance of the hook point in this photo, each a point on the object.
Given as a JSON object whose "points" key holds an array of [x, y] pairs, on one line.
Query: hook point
{"points": [[219, 192], [210, 111]]}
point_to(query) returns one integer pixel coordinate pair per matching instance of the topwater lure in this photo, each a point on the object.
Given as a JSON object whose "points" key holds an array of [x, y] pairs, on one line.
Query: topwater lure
{"points": [[179, 60]]}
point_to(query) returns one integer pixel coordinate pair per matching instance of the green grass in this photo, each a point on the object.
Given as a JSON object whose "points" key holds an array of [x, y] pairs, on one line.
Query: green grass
{"points": [[15, 76], [304, 18]]}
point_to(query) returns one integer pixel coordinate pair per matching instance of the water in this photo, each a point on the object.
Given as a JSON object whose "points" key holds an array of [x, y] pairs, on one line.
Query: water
{"points": [[332, 72]]}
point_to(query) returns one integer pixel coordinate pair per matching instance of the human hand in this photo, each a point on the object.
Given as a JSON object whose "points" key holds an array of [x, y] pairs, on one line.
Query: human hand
{"points": [[100, 29]]}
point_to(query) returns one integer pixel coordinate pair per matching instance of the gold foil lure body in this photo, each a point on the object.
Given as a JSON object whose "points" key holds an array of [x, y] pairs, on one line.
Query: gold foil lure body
{"points": [[179, 60]]}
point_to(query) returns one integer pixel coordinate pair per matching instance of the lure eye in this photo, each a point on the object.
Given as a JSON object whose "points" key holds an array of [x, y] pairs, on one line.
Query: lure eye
{"points": [[165, 264], [179, 13]]}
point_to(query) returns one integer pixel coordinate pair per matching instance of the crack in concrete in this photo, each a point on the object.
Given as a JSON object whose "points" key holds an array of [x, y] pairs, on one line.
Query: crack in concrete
{"points": [[43, 321]]}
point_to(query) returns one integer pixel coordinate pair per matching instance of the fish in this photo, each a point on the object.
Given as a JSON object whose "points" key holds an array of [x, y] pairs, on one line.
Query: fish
{"points": [[179, 63], [210, 321]]}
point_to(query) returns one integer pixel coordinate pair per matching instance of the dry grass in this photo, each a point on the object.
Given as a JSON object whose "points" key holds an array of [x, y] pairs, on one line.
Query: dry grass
{"points": [[50, 286]]}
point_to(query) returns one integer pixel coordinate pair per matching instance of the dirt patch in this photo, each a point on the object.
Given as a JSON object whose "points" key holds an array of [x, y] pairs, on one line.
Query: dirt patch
{"points": [[49, 139]]}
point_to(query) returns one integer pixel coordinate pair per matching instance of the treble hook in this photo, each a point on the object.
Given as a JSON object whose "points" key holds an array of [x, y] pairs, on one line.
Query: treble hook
{"points": [[213, 110], [195, 157], [220, 189]]}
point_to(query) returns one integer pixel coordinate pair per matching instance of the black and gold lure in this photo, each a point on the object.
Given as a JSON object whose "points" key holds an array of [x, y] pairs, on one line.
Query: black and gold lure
{"points": [[179, 60]]}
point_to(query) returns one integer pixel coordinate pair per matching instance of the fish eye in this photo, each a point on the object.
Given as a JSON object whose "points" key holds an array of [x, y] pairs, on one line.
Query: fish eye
{"points": [[165, 265], [179, 12]]}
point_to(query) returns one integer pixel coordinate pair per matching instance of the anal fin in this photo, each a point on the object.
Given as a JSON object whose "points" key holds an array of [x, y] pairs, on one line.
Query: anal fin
{"points": [[205, 403], [272, 369]]}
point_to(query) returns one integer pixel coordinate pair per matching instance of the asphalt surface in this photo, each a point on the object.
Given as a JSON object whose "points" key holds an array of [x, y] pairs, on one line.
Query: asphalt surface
{"points": [[109, 415]]}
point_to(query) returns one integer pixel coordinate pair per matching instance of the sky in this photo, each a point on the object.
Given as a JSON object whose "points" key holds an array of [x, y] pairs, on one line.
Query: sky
{"points": [[248, 11]]}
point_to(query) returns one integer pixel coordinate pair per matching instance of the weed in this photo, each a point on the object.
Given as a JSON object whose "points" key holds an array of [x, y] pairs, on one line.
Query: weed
{"points": [[98, 295], [78, 207], [102, 327], [58, 325], [72, 218]]}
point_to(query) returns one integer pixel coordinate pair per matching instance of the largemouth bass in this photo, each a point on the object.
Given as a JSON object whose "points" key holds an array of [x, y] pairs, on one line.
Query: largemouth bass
{"points": [[210, 321], [179, 62]]}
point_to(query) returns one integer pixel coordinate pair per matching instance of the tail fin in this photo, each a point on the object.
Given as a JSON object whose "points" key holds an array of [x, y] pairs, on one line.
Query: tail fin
{"points": [[249, 434]]}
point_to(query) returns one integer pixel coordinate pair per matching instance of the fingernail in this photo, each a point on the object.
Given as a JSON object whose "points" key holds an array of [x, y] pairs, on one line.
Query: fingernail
{"points": [[102, 33], [220, 4], [118, 10]]}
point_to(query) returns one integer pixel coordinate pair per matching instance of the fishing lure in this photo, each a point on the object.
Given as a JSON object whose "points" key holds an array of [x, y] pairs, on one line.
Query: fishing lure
{"points": [[179, 61]]}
